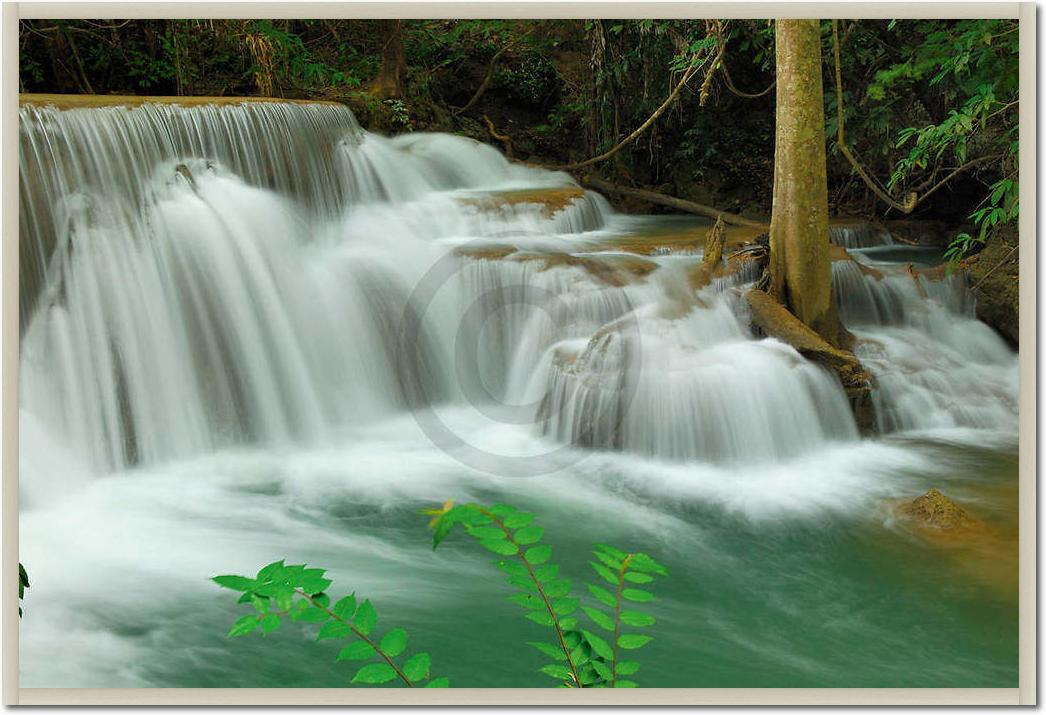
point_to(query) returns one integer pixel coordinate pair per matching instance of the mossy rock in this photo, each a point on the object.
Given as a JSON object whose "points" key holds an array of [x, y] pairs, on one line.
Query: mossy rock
{"points": [[935, 510]]}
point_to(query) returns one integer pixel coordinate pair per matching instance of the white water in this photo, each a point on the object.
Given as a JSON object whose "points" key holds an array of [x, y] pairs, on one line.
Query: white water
{"points": [[213, 326]]}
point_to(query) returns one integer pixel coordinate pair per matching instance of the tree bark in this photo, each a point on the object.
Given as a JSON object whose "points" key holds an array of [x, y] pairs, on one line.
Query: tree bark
{"points": [[800, 263], [389, 82]]}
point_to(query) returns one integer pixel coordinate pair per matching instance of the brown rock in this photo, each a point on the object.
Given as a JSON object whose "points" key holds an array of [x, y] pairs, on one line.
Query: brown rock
{"points": [[938, 511], [995, 281]]}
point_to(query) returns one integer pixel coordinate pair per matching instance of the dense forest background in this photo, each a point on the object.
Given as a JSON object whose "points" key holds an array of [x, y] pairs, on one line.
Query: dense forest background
{"points": [[929, 106]]}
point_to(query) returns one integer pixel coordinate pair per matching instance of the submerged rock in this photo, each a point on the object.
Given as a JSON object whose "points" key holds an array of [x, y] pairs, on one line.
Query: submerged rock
{"points": [[938, 511]]}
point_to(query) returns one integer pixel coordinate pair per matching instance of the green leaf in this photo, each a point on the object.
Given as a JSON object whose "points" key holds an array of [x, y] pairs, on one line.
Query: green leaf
{"points": [[559, 672], [524, 582], [261, 605], [357, 650], [513, 568], [518, 520], [558, 588], [333, 629], [637, 595], [539, 617], [529, 535], [236, 583], [631, 641], [487, 532], [366, 618], [345, 607], [285, 599], [565, 606], [243, 626], [374, 673], [568, 624], [552, 651], [315, 584], [588, 674], [394, 642], [599, 618], [440, 531], [417, 667], [581, 654], [604, 596], [502, 510], [528, 600], [539, 554], [608, 575], [603, 669], [608, 560], [608, 549], [310, 614], [627, 667], [625, 684], [635, 618], [546, 572], [269, 623], [636, 577], [438, 683], [600, 646], [642, 562], [504, 548], [269, 572]]}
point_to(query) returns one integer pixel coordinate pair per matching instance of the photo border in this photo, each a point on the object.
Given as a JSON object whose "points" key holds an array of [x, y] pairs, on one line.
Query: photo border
{"points": [[1024, 694]]}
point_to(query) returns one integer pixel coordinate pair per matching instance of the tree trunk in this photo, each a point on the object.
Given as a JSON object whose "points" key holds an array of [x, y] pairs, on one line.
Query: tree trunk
{"points": [[389, 82], [800, 263]]}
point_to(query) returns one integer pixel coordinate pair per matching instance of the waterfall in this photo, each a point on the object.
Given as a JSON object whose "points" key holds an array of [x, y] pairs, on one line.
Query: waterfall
{"points": [[862, 235], [197, 278], [935, 364]]}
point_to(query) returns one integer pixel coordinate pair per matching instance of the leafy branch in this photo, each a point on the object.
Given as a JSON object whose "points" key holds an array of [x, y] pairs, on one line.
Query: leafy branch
{"points": [[298, 592], [582, 658]]}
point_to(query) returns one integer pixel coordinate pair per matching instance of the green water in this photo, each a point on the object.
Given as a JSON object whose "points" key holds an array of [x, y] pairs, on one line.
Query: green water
{"points": [[815, 599]]}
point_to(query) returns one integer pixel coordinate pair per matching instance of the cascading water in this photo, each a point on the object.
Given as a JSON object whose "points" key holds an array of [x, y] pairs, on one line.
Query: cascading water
{"points": [[214, 362]]}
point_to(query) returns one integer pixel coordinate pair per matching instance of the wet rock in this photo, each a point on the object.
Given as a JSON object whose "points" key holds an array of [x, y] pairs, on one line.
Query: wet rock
{"points": [[995, 283], [772, 319], [552, 200], [935, 510]]}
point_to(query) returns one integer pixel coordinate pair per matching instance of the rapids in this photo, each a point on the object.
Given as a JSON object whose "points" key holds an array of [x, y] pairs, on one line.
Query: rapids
{"points": [[255, 331]]}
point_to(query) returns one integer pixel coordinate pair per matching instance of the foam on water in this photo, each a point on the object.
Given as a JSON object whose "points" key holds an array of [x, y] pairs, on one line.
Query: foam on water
{"points": [[216, 366]]}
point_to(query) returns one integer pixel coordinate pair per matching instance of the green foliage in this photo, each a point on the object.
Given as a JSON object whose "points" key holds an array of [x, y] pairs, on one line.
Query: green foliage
{"points": [[296, 592], [581, 656], [965, 73], [23, 584]]}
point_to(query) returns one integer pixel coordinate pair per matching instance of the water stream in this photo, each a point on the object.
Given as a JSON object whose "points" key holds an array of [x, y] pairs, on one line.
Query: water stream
{"points": [[253, 332]]}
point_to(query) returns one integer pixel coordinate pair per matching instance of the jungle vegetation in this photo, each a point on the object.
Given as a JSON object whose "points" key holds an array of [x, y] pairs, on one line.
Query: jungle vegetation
{"points": [[920, 116]]}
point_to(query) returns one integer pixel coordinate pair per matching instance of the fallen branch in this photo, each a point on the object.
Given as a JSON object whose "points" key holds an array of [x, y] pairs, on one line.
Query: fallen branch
{"points": [[505, 139], [670, 201]]}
